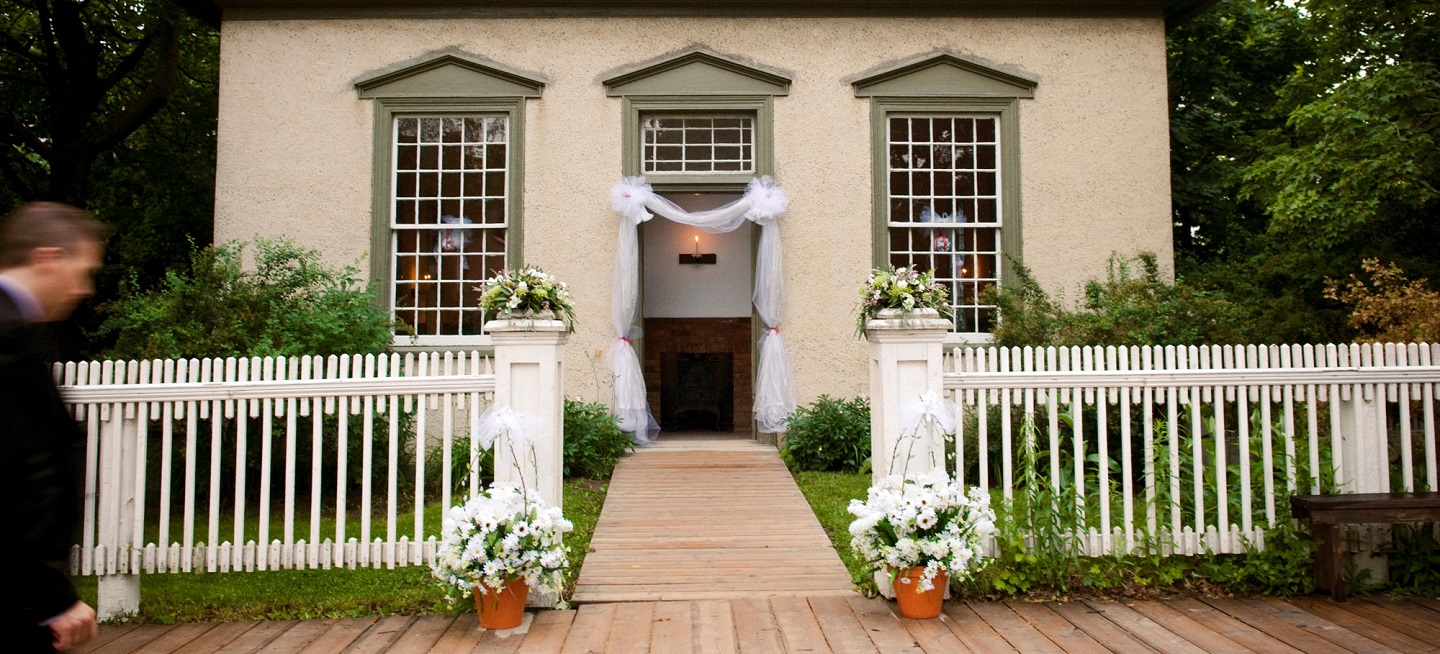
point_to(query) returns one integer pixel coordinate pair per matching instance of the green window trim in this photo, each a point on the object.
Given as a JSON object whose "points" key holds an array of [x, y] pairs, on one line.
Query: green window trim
{"points": [[938, 84], [447, 84], [630, 132]]}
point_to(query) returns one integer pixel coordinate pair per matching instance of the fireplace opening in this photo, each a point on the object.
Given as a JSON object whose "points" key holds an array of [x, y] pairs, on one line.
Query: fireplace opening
{"points": [[697, 391]]}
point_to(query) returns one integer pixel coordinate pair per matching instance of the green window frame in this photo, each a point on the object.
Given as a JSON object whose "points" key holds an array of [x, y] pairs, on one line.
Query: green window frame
{"points": [[936, 89], [447, 87]]}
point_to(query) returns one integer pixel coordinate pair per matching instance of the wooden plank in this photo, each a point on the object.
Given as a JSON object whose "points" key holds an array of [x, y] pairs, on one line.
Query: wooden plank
{"points": [[297, 636], [256, 638], [221, 635], [460, 637], [133, 639], [421, 634], [340, 635], [934, 636], [755, 629], [630, 631], [1274, 626], [504, 641], [1014, 628], [381, 635], [1235, 630], [798, 626], [1350, 615], [1427, 602], [590, 629], [714, 628], [883, 626], [1414, 613], [1097, 626], [1319, 626], [547, 632], [973, 631], [841, 628], [175, 638], [1144, 628], [105, 634], [1188, 628], [1059, 630], [671, 629]]}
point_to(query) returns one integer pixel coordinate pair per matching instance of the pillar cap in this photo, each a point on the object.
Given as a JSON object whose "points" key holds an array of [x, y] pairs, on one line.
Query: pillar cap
{"points": [[889, 323]]}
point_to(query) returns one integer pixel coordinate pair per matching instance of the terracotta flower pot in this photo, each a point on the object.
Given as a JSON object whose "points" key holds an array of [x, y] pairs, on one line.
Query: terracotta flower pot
{"points": [[915, 603], [502, 608]]}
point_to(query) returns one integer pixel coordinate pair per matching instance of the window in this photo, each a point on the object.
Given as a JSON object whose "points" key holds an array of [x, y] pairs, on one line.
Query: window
{"points": [[449, 220], [448, 176], [946, 136], [944, 206], [697, 143]]}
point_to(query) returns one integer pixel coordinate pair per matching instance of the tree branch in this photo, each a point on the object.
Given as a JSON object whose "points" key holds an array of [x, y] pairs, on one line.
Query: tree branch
{"points": [[152, 99], [24, 136]]}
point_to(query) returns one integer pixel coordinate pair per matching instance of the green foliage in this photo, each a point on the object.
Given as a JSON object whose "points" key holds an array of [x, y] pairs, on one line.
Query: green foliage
{"points": [[1414, 557], [1127, 308], [829, 493], [291, 304], [829, 434], [593, 440], [1285, 567]]}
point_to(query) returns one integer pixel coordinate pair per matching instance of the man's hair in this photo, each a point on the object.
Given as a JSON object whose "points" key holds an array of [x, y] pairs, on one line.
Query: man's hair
{"points": [[45, 225]]}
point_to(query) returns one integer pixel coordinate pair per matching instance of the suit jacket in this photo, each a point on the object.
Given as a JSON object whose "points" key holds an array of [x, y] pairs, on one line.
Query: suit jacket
{"points": [[39, 494]]}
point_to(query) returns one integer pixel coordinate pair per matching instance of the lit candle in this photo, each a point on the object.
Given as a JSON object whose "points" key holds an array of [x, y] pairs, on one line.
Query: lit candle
{"points": [[697, 246]]}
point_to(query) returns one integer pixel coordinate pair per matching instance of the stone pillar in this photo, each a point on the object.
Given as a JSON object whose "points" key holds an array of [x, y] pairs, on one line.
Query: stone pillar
{"points": [[905, 364], [906, 350], [530, 379]]}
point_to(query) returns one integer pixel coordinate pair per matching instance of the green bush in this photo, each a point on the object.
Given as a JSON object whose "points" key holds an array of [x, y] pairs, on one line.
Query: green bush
{"points": [[1125, 309], [291, 304], [593, 440], [829, 435]]}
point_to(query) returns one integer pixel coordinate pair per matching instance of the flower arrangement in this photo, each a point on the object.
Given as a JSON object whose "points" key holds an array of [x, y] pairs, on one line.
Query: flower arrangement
{"points": [[901, 288], [926, 520], [500, 535], [527, 290]]}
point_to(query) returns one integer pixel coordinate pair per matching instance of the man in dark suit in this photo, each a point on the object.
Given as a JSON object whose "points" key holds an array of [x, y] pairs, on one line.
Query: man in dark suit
{"points": [[48, 253]]}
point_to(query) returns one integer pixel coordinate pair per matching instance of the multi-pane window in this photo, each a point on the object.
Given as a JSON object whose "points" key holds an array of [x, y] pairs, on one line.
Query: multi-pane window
{"points": [[944, 206], [449, 219], [694, 143]]}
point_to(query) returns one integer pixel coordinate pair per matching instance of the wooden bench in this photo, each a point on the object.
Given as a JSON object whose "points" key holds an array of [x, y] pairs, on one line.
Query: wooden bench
{"points": [[1328, 512]]}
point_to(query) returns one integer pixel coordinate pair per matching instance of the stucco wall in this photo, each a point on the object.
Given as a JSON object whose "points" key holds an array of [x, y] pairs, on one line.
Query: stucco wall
{"points": [[295, 145]]}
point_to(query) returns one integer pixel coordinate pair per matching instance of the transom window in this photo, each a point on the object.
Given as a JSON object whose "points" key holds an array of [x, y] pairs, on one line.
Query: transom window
{"points": [[944, 206], [449, 219], [698, 143]]}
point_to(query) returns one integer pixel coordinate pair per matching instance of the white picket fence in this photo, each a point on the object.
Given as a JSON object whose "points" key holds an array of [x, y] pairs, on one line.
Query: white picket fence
{"points": [[391, 410], [1358, 418]]}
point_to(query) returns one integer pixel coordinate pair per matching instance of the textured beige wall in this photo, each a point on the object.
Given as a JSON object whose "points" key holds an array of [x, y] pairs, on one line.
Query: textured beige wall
{"points": [[295, 145]]}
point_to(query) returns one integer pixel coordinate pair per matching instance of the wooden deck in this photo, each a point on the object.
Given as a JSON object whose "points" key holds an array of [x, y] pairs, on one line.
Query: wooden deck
{"points": [[707, 518], [840, 624]]}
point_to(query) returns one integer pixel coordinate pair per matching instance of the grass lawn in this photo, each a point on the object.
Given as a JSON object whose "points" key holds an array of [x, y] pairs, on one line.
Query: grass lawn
{"points": [[829, 493], [336, 593]]}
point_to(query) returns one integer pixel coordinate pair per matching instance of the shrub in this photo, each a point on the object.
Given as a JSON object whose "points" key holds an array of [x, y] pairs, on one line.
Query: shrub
{"points": [[1390, 308], [291, 304], [829, 435], [1127, 308], [593, 440]]}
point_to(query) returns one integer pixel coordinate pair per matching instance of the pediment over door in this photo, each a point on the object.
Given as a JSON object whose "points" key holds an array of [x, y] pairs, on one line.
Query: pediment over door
{"points": [[697, 72]]}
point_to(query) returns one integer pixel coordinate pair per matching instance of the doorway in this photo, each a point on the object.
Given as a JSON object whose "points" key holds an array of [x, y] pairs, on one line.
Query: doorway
{"points": [[697, 318]]}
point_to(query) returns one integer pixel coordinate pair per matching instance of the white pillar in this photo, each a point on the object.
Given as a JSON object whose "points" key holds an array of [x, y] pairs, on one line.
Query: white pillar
{"points": [[530, 379], [905, 364], [1365, 469]]}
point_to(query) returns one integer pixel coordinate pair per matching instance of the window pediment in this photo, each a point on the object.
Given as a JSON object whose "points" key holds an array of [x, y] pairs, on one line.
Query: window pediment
{"points": [[451, 75], [945, 75], [697, 72]]}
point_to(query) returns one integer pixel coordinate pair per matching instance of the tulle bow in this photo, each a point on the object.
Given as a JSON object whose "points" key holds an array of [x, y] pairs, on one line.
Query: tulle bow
{"points": [[629, 195], [502, 420], [930, 407]]}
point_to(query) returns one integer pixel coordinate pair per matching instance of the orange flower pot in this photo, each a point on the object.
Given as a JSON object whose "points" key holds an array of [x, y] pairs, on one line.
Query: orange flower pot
{"points": [[915, 603], [502, 608]]}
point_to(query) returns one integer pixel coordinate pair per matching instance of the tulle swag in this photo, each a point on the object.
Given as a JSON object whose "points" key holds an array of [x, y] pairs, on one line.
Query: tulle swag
{"points": [[763, 203]]}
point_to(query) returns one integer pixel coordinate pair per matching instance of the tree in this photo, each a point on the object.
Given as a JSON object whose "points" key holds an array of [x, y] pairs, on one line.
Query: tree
{"points": [[81, 76]]}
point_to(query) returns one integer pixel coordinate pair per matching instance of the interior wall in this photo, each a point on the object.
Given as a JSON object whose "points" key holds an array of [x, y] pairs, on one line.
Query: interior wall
{"points": [[676, 290]]}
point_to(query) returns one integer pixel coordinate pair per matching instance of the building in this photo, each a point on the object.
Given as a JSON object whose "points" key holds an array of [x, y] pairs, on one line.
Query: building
{"points": [[441, 140]]}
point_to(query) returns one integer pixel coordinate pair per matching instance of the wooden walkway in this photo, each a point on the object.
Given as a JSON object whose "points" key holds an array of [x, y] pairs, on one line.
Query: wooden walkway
{"points": [[840, 624], [707, 518]]}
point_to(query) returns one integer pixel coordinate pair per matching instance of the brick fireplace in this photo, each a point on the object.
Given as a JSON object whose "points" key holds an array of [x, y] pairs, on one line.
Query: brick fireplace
{"points": [[698, 346]]}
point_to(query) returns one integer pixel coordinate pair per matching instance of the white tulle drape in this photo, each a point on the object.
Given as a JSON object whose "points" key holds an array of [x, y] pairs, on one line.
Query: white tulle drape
{"points": [[763, 202]]}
